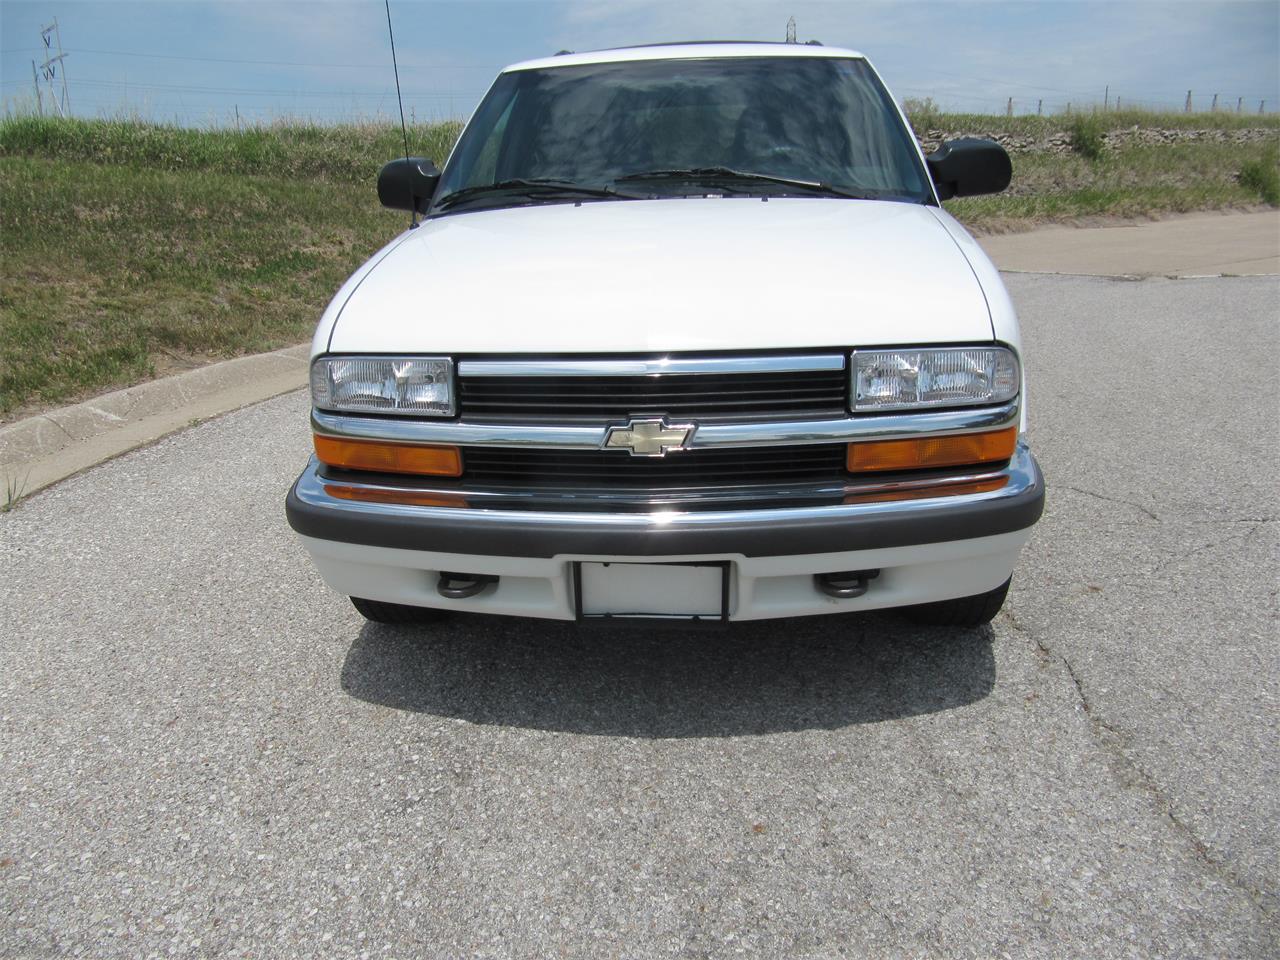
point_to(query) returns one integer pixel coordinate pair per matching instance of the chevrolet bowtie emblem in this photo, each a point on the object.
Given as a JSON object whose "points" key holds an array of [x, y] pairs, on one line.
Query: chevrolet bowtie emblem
{"points": [[649, 438]]}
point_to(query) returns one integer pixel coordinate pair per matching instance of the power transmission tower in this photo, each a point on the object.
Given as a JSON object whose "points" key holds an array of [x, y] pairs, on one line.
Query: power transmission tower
{"points": [[35, 80], [791, 30], [53, 66]]}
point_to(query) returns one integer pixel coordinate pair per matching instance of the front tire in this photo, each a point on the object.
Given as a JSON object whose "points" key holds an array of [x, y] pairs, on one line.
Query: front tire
{"points": [[397, 614], [974, 611]]}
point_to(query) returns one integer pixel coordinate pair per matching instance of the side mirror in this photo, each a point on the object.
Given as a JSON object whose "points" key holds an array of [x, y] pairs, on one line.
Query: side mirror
{"points": [[408, 183], [965, 168]]}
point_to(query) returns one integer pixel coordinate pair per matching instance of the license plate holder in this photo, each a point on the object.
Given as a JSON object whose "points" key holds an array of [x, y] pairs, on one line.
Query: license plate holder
{"points": [[628, 593]]}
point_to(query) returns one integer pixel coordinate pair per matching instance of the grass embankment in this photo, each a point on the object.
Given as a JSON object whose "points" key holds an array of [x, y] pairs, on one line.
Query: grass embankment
{"points": [[128, 249], [1127, 178], [1140, 181]]}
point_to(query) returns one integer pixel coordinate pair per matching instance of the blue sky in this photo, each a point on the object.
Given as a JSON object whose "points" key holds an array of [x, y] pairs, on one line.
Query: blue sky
{"points": [[197, 62]]}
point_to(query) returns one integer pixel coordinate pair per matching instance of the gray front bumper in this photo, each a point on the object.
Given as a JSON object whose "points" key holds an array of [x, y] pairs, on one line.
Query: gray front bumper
{"points": [[766, 532]]}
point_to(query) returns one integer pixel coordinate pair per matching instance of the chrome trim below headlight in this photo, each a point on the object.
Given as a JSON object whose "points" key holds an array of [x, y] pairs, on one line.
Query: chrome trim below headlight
{"points": [[758, 496], [592, 437]]}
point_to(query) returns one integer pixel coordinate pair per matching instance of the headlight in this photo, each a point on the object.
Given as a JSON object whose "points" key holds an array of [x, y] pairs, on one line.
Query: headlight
{"points": [[944, 377], [408, 386]]}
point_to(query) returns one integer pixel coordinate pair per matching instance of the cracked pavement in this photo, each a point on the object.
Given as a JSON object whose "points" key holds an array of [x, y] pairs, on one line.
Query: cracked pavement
{"points": [[204, 753]]}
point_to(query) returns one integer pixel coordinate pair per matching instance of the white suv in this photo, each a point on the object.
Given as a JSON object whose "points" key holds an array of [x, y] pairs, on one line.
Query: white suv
{"points": [[684, 336]]}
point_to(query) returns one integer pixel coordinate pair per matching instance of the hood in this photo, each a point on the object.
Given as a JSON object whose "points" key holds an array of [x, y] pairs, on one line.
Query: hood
{"points": [[668, 275]]}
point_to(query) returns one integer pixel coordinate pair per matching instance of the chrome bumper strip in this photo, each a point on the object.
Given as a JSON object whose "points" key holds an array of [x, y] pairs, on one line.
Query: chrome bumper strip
{"points": [[701, 499], [587, 437]]}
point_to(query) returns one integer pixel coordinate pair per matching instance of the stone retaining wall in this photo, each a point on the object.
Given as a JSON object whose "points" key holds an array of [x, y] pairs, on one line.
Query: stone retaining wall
{"points": [[1060, 142]]}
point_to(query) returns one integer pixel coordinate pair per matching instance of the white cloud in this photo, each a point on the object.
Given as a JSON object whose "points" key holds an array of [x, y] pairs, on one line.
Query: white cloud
{"points": [[311, 31]]}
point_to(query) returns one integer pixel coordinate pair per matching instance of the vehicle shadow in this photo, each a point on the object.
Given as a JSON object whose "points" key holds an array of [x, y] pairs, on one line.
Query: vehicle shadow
{"points": [[754, 678]]}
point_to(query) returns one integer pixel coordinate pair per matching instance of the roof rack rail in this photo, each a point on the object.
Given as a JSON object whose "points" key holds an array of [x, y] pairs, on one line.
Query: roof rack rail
{"points": [[691, 43]]}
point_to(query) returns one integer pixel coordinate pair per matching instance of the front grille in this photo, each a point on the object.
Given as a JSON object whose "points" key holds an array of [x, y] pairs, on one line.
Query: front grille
{"points": [[748, 396], [678, 469]]}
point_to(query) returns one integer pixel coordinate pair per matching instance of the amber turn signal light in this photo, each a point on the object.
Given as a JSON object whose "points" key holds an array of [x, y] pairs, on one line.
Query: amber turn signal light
{"points": [[924, 452], [389, 457], [930, 492], [411, 498]]}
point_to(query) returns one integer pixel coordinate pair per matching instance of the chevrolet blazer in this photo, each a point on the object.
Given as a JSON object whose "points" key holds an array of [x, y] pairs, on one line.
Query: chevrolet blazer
{"points": [[684, 335]]}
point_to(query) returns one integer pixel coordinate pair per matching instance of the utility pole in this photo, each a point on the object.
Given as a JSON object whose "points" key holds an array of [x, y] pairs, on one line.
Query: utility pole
{"points": [[1188, 101], [1039, 108], [1008, 108], [1214, 108], [1239, 104], [52, 64], [1106, 97]]}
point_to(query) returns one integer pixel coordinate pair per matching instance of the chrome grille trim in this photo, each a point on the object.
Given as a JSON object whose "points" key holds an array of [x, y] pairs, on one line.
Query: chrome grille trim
{"points": [[893, 426], [803, 363]]}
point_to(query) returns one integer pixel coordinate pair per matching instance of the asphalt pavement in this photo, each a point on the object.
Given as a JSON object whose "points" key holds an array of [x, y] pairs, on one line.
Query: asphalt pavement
{"points": [[205, 753]]}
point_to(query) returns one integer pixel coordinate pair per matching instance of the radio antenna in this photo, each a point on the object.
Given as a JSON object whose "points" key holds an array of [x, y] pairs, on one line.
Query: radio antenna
{"points": [[413, 209]]}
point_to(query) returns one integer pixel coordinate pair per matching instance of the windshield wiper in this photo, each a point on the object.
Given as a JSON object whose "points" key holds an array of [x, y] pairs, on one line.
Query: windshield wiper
{"points": [[534, 187], [728, 173]]}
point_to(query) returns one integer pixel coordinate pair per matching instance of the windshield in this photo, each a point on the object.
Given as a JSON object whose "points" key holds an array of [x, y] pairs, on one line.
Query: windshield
{"points": [[695, 125]]}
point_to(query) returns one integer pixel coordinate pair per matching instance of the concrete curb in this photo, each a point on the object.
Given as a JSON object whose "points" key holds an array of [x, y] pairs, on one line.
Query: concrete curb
{"points": [[49, 447]]}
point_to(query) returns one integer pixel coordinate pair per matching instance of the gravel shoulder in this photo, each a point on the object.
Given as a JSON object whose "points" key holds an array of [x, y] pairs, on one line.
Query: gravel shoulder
{"points": [[202, 752]]}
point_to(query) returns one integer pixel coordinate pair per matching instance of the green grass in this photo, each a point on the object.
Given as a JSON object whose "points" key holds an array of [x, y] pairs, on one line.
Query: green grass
{"points": [[1263, 176], [1134, 182], [15, 488], [346, 153], [111, 273], [129, 248], [1087, 135]]}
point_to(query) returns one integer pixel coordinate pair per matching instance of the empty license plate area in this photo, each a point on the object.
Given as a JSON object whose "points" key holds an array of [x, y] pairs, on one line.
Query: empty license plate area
{"points": [[680, 592]]}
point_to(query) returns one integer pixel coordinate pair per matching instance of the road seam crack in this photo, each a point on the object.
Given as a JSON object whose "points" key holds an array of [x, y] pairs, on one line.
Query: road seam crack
{"points": [[1099, 496], [1112, 740]]}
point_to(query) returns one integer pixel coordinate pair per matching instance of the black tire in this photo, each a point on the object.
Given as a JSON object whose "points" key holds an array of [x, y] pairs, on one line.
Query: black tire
{"points": [[972, 611], [396, 613]]}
